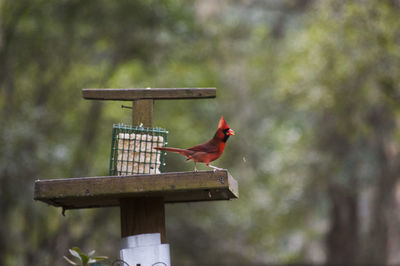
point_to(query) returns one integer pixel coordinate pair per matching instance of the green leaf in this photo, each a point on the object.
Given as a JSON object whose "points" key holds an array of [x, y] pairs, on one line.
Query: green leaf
{"points": [[99, 258], [75, 253], [85, 259], [70, 261], [77, 250]]}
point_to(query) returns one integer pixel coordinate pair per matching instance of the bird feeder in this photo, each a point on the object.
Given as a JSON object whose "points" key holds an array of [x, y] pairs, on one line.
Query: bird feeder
{"points": [[136, 183], [132, 150]]}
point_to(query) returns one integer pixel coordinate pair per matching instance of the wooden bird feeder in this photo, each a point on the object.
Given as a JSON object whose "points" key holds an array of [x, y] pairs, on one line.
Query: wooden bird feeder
{"points": [[140, 197]]}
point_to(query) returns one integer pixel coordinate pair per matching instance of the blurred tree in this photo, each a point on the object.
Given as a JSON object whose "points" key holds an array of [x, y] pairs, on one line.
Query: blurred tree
{"points": [[49, 50], [311, 88], [345, 73]]}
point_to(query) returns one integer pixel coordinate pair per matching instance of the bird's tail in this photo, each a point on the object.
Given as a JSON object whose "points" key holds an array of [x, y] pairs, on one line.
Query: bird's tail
{"points": [[177, 150]]}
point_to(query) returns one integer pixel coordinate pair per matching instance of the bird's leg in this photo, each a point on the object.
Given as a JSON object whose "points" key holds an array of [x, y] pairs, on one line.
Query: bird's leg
{"points": [[195, 169], [215, 168]]}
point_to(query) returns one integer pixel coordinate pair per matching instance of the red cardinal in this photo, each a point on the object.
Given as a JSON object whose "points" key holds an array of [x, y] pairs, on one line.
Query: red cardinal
{"points": [[207, 152]]}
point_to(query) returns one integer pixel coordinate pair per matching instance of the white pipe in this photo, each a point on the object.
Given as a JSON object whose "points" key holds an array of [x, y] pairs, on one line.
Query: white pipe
{"points": [[145, 250]]}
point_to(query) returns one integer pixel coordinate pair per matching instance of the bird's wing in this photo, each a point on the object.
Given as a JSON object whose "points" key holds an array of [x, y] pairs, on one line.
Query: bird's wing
{"points": [[206, 147]]}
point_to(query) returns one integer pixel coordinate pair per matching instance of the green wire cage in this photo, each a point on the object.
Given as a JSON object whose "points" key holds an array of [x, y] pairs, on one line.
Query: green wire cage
{"points": [[132, 150]]}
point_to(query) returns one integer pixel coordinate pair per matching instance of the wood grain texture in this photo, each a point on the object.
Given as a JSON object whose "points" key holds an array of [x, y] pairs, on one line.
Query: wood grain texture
{"points": [[106, 191], [142, 113], [143, 216], [131, 94]]}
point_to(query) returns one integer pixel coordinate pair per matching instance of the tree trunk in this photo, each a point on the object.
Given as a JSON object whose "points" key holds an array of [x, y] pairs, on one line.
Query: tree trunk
{"points": [[342, 238]]}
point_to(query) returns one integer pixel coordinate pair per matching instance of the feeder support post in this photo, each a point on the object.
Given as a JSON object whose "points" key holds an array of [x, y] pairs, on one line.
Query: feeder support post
{"points": [[142, 112], [143, 215]]}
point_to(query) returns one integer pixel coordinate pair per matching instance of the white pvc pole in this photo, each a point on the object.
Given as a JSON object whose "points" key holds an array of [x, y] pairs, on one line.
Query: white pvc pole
{"points": [[145, 250]]}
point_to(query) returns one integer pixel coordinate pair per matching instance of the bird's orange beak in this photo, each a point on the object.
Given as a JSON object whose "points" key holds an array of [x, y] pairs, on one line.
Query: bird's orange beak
{"points": [[230, 132]]}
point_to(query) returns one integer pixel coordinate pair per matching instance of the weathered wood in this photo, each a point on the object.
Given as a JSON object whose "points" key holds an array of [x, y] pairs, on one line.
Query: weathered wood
{"points": [[142, 112], [153, 220], [145, 214], [132, 94], [106, 191]]}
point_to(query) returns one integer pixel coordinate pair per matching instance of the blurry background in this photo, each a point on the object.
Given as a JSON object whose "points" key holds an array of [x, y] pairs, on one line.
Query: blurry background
{"points": [[312, 89]]}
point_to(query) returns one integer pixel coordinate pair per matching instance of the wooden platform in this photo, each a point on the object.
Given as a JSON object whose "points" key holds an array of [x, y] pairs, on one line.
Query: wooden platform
{"points": [[150, 93], [107, 191]]}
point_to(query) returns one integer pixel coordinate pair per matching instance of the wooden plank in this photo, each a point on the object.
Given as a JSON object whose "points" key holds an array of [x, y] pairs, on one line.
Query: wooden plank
{"points": [[142, 113], [107, 191], [152, 222], [131, 94]]}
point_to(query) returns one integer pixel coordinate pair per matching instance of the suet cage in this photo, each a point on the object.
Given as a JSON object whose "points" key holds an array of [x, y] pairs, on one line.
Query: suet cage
{"points": [[132, 150]]}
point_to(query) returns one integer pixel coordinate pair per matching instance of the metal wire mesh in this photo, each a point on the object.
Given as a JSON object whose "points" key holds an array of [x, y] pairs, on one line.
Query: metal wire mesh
{"points": [[132, 150]]}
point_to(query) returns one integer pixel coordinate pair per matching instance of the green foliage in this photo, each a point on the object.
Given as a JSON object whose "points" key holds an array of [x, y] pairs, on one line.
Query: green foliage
{"points": [[311, 90], [342, 72], [82, 258]]}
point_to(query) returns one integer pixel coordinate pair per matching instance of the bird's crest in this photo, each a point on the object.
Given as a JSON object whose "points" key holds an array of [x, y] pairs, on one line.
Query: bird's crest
{"points": [[222, 123]]}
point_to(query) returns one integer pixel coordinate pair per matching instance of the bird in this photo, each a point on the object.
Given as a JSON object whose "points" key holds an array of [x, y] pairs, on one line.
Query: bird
{"points": [[209, 151]]}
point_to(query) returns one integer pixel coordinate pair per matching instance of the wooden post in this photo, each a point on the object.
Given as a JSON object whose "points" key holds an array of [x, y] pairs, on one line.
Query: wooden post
{"points": [[145, 214], [142, 113]]}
